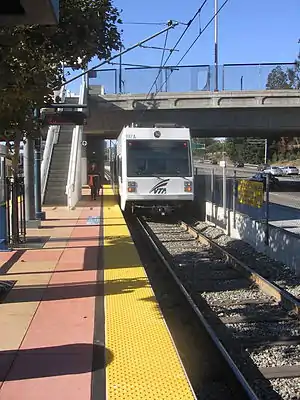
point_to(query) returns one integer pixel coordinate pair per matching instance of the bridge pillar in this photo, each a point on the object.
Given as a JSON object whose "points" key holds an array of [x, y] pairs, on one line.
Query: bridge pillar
{"points": [[29, 183], [84, 163]]}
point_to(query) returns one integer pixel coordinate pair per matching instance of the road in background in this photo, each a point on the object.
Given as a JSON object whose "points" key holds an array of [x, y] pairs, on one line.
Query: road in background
{"points": [[284, 210]]}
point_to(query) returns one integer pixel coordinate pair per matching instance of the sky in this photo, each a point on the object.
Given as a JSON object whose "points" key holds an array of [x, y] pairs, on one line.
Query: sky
{"points": [[250, 31]]}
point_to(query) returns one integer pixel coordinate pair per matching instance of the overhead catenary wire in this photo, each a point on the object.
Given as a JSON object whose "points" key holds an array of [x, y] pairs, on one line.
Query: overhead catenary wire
{"points": [[170, 25], [188, 50], [164, 49], [177, 43], [202, 31], [150, 23], [163, 53], [143, 23]]}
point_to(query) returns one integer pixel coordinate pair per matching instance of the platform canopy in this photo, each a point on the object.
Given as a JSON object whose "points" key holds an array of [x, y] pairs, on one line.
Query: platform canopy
{"points": [[29, 12]]}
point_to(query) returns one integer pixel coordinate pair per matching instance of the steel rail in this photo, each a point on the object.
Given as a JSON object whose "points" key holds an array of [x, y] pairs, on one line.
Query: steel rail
{"points": [[233, 367], [287, 300]]}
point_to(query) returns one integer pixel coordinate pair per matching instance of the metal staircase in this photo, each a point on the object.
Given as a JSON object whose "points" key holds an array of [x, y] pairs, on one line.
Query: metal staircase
{"points": [[59, 166]]}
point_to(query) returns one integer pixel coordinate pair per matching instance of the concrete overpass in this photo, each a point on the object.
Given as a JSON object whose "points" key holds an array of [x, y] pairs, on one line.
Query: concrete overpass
{"points": [[207, 114]]}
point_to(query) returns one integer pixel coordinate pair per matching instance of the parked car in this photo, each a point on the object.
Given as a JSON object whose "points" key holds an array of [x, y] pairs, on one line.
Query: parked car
{"points": [[275, 171], [238, 164], [262, 177], [261, 167], [291, 170], [214, 162]]}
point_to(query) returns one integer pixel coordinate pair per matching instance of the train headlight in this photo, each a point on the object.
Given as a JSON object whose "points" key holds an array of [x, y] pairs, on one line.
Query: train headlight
{"points": [[188, 187], [131, 186]]}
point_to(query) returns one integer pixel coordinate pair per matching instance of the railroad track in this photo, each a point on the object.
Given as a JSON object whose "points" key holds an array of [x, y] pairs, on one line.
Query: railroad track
{"points": [[253, 322]]}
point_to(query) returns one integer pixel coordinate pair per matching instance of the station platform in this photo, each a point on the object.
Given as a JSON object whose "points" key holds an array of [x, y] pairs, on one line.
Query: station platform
{"points": [[82, 321]]}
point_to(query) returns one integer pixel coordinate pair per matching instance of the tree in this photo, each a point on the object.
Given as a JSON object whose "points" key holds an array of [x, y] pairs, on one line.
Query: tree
{"points": [[243, 149], [278, 79], [31, 58]]}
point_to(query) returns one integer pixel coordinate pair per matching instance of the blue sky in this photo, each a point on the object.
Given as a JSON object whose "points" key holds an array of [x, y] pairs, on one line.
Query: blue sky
{"points": [[250, 31]]}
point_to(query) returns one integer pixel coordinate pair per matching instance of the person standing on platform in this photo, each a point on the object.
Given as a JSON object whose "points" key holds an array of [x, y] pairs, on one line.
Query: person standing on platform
{"points": [[94, 181]]}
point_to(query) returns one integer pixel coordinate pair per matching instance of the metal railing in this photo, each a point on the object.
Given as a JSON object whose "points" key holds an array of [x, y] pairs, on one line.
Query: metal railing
{"points": [[73, 187], [139, 78], [51, 140], [15, 208]]}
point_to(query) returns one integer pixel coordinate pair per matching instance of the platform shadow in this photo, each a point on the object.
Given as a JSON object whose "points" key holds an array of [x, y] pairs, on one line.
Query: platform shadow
{"points": [[71, 359], [12, 258], [68, 291]]}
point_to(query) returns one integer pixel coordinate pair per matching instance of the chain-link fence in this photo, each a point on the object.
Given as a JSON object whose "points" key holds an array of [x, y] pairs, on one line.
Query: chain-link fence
{"points": [[219, 187], [188, 78]]}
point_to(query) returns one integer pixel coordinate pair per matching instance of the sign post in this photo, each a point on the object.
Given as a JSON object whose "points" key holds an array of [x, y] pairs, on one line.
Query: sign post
{"points": [[267, 233], [234, 195], [223, 165]]}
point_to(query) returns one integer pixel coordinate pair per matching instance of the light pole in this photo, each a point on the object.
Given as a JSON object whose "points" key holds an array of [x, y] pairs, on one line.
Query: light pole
{"points": [[216, 46], [266, 150]]}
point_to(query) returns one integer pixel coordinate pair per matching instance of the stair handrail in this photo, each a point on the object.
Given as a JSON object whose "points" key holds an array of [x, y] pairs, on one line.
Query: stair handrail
{"points": [[75, 155], [52, 137]]}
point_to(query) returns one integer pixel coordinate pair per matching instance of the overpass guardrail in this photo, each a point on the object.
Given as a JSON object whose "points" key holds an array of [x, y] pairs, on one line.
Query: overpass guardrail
{"points": [[134, 78]]}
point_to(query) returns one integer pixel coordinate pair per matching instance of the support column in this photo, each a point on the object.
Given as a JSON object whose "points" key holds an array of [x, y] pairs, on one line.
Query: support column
{"points": [[39, 214], [102, 159], [29, 183], [84, 161], [3, 210]]}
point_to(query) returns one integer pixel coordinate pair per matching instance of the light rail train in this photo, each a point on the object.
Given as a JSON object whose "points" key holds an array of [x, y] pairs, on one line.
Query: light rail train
{"points": [[153, 169]]}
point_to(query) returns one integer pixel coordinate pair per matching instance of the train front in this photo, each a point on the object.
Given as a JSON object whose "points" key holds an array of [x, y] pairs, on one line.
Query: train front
{"points": [[159, 170]]}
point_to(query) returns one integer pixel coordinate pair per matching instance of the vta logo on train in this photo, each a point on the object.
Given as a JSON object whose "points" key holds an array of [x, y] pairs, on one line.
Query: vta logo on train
{"points": [[160, 187]]}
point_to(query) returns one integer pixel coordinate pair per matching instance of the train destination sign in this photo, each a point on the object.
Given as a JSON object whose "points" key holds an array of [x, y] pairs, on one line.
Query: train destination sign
{"points": [[64, 118], [251, 193]]}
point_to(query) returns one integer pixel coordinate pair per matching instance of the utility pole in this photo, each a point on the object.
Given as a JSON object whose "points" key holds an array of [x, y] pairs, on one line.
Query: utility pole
{"points": [[216, 46], [121, 71]]}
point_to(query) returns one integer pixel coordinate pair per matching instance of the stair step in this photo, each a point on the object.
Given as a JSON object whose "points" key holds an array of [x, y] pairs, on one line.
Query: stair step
{"points": [[59, 165], [57, 181], [56, 191], [59, 186], [61, 157], [51, 195], [62, 147], [65, 138]]}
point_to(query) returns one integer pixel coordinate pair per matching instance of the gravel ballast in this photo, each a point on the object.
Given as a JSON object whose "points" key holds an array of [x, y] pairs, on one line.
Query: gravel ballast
{"points": [[208, 275]]}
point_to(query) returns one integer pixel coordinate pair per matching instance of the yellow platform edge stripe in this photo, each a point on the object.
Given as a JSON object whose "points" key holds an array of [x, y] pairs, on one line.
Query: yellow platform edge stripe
{"points": [[142, 359]]}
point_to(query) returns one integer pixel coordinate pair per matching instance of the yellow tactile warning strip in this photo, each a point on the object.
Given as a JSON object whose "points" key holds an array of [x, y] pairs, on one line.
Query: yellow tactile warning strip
{"points": [[144, 363]]}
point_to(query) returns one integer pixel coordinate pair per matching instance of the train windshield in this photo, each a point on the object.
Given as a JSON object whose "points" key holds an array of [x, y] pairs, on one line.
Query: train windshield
{"points": [[158, 158]]}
